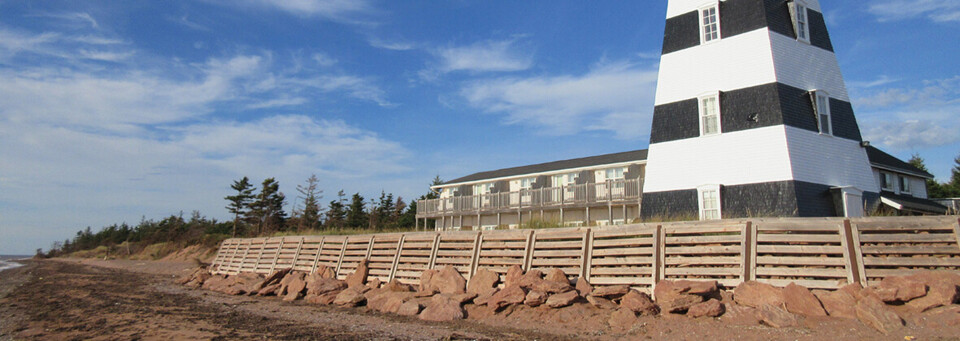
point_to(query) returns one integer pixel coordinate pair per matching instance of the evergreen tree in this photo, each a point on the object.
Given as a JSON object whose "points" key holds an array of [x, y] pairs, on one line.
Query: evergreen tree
{"points": [[239, 203], [356, 214], [954, 185], [934, 188], [382, 212], [311, 194], [406, 214], [267, 210]]}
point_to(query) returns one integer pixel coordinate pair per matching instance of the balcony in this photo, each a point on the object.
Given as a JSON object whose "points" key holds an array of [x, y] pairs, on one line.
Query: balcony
{"points": [[614, 192]]}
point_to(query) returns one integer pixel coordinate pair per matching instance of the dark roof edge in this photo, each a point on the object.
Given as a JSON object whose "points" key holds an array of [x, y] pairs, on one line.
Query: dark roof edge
{"points": [[881, 159], [589, 161]]}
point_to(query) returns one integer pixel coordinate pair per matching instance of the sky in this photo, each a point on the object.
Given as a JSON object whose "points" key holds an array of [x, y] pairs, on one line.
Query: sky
{"points": [[115, 111]]}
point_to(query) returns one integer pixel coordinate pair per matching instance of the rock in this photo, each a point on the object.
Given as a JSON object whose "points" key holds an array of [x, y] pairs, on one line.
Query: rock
{"points": [[350, 297], [389, 301], [906, 288], [552, 287], [358, 277], [482, 281], [214, 283], [639, 303], [735, 314], [409, 308], [885, 294], [325, 272], [852, 289], [189, 277], [583, 287], [701, 288], [449, 281], [269, 290], [198, 278], [776, 316], [514, 273], [939, 294], [872, 312], [931, 277], [285, 282], [396, 285], [275, 277], [710, 308], [463, 298], [561, 300], [325, 298], [610, 291], [426, 281], [755, 294], [321, 286], [535, 298], [374, 284], [799, 300], [677, 304], [295, 288], [942, 317], [623, 319], [443, 307], [483, 298], [557, 275], [508, 296], [531, 279], [602, 303], [838, 303], [679, 296]]}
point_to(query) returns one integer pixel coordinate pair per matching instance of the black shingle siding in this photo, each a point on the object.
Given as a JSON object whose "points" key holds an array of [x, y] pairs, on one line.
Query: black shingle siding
{"points": [[681, 32], [670, 205], [769, 199], [737, 107], [675, 121], [740, 16], [819, 36], [843, 121]]}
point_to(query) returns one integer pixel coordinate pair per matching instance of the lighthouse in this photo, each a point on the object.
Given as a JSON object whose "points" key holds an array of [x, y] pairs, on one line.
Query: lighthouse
{"points": [[752, 117]]}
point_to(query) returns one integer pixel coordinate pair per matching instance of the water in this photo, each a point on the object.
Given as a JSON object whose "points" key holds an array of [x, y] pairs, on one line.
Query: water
{"points": [[7, 261]]}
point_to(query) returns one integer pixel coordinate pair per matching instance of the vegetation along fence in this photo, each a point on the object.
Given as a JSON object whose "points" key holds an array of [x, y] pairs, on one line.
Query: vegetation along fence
{"points": [[814, 252]]}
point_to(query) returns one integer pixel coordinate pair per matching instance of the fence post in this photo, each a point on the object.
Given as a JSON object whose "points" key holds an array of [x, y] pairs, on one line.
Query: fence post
{"points": [[316, 257], [296, 255], [233, 256], [263, 245], [244, 259], [956, 232], [656, 269], [343, 250], [276, 256], [587, 254], [475, 259], [369, 247], [396, 258], [748, 256], [433, 251], [850, 238], [528, 250]]}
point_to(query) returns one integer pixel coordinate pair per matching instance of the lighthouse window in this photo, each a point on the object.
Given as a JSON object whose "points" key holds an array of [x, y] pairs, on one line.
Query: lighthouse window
{"points": [[800, 24], [709, 24], [709, 115], [709, 200], [822, 108]]}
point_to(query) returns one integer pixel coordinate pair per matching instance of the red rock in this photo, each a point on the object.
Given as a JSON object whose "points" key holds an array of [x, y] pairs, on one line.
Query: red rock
{"points": [[561, 300], [275, 277], [449, 281], [285, 282], [853, 289], [409, 308], [443, 307], [269, 290], [872, 312], [374, 284], [321, 286], [531, 279], [483, 298], [677, 304], [942, 317], [463, 297], [885, 294], [735, 314], [939, 294], [325, 298], [508, 296], [602, 303], [906, 288], [326, 272], [702, 288], [389, 301], [535, 298], [583, 287], [610, 291], [294, 289], [213, 282], [799, 300], [755, 294], [426, 281], [557, 275], [623, 319], [482, 281], [932, 277], [710, 308], [639, 303], [838, 303], [350, 297], [776, 316], [514, 273], [358, 277], [396, 285]]}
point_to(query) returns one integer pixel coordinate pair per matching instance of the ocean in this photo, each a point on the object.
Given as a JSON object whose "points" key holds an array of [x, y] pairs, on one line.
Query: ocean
{"points": [[7, 261]]}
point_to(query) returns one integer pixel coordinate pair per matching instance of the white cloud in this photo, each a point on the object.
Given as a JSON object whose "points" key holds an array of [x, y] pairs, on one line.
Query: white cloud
{"points": [[908, 118], [394, 45], [83, 18], [324, 60], [484, 56], [936, 10], [336, 10], [911, 135], [616, 97]]}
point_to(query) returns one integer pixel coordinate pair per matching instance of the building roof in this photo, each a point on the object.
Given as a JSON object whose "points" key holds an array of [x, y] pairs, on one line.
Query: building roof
{"points": [[606, 159], [905, 202], [880, 159]]}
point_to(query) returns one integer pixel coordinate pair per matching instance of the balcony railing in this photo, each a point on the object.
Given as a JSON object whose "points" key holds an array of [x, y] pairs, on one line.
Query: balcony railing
{"points": [[610, 192]]}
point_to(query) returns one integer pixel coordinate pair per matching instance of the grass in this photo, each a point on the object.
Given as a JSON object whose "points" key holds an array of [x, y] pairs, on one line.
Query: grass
{"points": [[333, 232]]}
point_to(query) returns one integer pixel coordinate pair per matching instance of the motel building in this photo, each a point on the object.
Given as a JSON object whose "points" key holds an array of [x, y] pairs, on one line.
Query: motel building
{"points": [[751, 119]]}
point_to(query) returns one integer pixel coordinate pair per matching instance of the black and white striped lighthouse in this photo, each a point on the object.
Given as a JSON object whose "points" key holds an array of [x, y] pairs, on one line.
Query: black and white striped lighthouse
{"points": [[752, 116]]}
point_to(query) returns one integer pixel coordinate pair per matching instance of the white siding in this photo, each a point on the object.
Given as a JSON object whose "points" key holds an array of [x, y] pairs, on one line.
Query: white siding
{"points": [[807, 67], [918, 187], [743, 157], [742, 61], [829, 160], [678, 7]]}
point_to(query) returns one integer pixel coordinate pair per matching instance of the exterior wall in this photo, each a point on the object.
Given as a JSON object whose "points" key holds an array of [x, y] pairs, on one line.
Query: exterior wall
{"points": [[806, 67], [679, 7], [918, 185], [829, 160]]}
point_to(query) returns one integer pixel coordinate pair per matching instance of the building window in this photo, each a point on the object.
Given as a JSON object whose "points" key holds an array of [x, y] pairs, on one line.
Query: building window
{"points": [[887, 183], [801, 26], [614, 173], [710, 114], [821, 107], [709, 24], [709, 201], [904, 185]]}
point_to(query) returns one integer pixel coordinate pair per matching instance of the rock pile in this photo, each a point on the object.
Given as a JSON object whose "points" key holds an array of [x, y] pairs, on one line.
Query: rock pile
{"points": [[442, 294]]}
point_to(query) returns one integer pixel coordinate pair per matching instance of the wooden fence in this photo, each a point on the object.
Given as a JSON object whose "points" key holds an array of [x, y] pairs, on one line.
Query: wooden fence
{"points": [[814, 252]]}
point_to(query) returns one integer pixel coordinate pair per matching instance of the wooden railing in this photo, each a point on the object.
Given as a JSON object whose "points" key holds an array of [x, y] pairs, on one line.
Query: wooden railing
{"points": [[613, 191], [814, 252]]}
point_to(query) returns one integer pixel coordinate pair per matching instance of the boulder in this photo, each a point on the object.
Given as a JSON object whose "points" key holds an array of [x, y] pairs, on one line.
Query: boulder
{"points": [[701, 288], [679, 296], [426, 281], [535, 298], [710, 308], [939, 294], [449, 281], [931, 277], [799, 300], [374, 284], [531, 279], [514, 273], [321, 286], [350, 297], [483, 298], [905, 288], [508, 296], [623, 319], [396, 285], [838, 303], [639, 303], [602, 303], [677, 304], [561, 300], [325, 298], [735, 314], [873, 312], [942, 317], [776, 316], [610, 291], [285, 282], [358, 277], [295, 288], [482, 281], [388, 301], [269, 290], [409, 308], [214, 283], [557, 275], [326, 272], [853, 289], [275, 277], [196, 281], [583, 287], [463, 297], [756, 294], [885, 294], [443, 307]]}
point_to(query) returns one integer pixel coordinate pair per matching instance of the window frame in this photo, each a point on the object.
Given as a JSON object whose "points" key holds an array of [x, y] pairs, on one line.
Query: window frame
{"points": [[716, 8], [799, 10], [700, 201], [821, 107], [887, 182], [904, 184], [701, 110]]}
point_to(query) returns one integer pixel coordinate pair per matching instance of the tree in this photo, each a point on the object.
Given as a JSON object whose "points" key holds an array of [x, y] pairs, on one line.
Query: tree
{"points": [[431, 194], [311, 194], [954, 185], [356, 214], [406, 214], [382, 212], [336, 214], [267, 210], [239, 203]]}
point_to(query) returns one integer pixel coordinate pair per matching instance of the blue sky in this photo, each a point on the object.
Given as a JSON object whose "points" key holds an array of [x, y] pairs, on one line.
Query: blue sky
{"points": [[115, 110]]}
